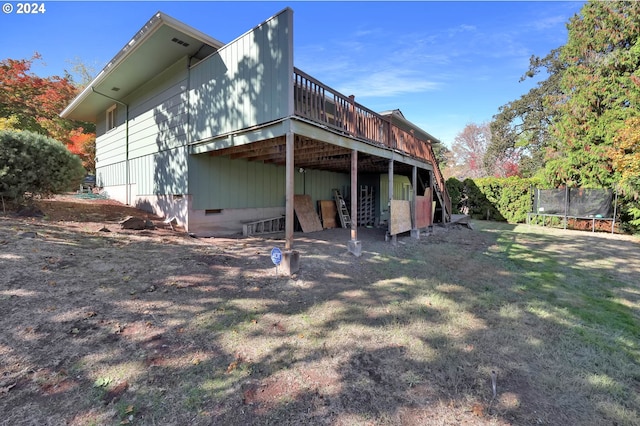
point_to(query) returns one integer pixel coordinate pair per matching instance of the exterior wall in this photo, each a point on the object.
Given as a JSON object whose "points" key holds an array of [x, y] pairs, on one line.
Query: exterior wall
{"points": [[167, 206], [158, 113], [228, 221], [319, 184], [161, 173], [221, 183], [156, 146], [239, 191], [246, 83]]}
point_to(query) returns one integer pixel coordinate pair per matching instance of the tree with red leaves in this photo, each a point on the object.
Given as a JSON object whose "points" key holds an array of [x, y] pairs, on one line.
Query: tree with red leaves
{"points": [[468, 151], [33, 103]]}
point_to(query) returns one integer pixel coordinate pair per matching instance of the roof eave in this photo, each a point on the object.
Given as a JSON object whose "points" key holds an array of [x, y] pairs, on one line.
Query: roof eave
{"points": [[138, 39], [397, 115]]}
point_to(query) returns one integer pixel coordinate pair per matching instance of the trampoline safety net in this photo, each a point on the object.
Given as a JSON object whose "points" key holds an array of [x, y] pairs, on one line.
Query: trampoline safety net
{"points": [[574, 202]]}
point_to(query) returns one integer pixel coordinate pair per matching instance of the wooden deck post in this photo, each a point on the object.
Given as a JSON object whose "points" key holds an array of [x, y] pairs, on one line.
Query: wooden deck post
{"points": [[289, 191], [394, 238], [290, 258], [354, 245], [415, 231]]}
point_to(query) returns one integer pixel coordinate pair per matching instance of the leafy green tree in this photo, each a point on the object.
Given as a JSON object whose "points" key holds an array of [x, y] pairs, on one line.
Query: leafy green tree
{"points": [[35, 165], [601, 90], [521, 130]]}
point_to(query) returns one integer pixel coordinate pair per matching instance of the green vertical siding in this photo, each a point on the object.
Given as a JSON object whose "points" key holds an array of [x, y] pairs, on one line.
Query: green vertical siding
{"points": [[112, 174], [219, 183], [161, 173], [157, 131], [319, 184], [245, 83]]}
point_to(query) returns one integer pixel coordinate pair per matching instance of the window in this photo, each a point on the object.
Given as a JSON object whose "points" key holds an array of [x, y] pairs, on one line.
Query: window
{"points": [[111, 118]]}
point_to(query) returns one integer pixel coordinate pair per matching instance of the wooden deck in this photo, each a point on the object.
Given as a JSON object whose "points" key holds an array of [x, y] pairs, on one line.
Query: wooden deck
{"points": [[319, 103]]}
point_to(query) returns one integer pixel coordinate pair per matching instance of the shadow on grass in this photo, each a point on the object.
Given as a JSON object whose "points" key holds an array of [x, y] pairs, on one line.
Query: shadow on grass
{"points": [[111, 328]]}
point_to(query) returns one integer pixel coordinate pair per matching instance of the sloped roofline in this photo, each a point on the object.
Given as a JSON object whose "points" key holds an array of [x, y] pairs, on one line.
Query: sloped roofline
{"points": [[157, 21], [398, 118]]}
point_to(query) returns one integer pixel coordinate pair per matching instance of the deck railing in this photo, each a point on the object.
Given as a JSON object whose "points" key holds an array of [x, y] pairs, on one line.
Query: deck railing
{"points": [[320, 103]]}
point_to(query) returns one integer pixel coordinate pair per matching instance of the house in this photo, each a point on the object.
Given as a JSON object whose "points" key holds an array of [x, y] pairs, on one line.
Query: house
{"points": [[218, 135]]}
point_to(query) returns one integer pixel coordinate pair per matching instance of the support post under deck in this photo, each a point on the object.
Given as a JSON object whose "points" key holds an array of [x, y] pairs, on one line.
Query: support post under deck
{"points": [[415, 231], [354, 246], [290, 258], [394, 238]]}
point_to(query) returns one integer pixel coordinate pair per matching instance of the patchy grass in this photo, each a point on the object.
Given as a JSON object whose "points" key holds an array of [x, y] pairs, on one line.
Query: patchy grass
{"points": [[158, 328]]}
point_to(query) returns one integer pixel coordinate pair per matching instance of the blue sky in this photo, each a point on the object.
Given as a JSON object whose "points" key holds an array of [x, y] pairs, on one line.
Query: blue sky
{"points": [[443, 64]]}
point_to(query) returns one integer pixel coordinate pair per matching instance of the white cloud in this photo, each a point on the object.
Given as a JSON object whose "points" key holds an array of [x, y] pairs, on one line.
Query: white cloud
{"points": [[462, 28], [391, 82]]}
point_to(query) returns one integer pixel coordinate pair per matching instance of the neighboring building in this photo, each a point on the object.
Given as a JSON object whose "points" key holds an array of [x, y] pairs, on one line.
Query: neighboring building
{"points": [[218, 134]]}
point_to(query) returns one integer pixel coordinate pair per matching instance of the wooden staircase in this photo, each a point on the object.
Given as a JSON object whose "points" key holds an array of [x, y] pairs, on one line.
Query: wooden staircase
{"points": [[442, 196], [439, 187]]}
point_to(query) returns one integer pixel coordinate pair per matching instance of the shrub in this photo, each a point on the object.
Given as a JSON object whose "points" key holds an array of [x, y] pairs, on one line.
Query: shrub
{"points": [[455, 190], [509, 198], [492, 198], [35, 165]]}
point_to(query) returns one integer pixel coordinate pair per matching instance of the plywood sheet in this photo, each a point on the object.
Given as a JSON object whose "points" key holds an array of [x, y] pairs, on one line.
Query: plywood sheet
{"points": [[400, 217], [307, 216], [424, 215], [328, 213]]}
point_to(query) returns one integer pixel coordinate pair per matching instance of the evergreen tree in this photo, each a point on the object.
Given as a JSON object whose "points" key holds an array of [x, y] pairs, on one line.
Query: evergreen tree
{"points": [[600, 91]]}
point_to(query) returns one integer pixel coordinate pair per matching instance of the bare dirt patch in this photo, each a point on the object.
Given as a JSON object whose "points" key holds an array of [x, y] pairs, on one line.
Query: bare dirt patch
{"points": [[157, 327]]}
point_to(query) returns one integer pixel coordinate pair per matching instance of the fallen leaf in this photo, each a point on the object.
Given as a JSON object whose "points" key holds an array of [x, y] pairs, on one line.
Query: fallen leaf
{"points": [[477, 409], [114, 394], [130, 409], [75, 330], [232, 366], [196, 361], [102, 382]]}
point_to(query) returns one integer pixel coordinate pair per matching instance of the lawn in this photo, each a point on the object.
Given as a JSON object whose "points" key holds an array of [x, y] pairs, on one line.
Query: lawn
{"points": [[500, 325]]}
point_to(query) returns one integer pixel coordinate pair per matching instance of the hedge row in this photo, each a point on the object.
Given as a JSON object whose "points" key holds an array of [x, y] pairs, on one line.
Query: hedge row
{"points": [[33, 164], [492, 198]]}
